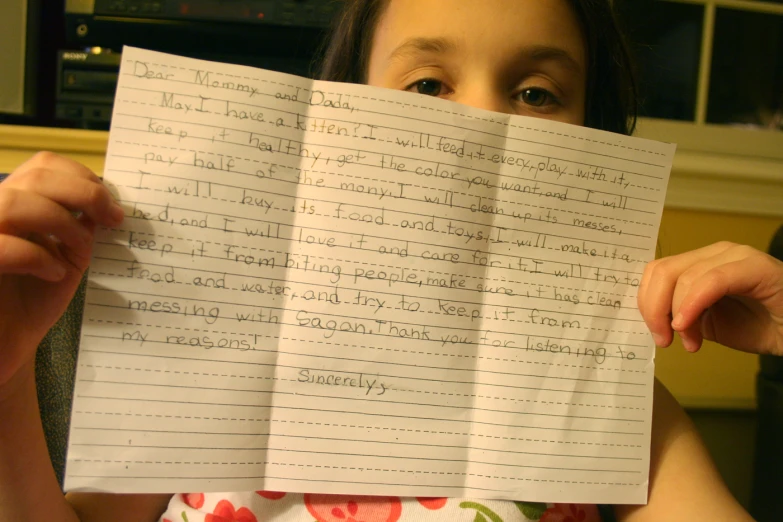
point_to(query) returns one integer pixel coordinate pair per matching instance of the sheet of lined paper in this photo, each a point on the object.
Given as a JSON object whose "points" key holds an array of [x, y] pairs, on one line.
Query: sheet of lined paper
{"points": [[341, 289]]}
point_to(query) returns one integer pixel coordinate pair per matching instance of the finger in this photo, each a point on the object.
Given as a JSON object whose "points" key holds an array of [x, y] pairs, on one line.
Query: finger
{"points": [[76, 258], [751, 277], [740, 323], [19, 256], [87, 223], [659, 337], [640, 302], [74, 193], [660, 281], [55, 162], [694, 275], [22, 213], [692, 336]]}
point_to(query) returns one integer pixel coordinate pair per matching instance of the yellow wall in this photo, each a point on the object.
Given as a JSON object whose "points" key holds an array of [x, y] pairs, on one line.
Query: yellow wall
{"points": [[715, 376], [18, 143]]}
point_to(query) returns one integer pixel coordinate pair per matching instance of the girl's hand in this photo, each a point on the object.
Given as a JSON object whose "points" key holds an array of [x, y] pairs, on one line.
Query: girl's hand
{"points": [[49, 208], [731, 294]]}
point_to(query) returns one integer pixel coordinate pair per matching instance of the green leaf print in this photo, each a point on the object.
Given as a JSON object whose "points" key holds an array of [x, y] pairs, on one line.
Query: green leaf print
{"points": [[482, 512], [185, 517], [532, 510]]}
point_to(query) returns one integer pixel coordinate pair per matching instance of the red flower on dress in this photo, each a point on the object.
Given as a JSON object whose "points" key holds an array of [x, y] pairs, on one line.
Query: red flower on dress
{"points": [[346, 508], [225, 512], [194, 500], [432, 503], [571, 513], [271, 495]]}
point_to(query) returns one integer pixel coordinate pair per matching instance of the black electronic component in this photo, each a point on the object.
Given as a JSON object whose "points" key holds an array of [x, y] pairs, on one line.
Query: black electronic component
{"points": [[300, 13], [280, 35], [85, 87], [241, 25]]}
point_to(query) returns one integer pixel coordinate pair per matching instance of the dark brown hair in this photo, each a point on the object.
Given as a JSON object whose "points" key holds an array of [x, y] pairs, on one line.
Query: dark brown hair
{"points": [[611, 84]]}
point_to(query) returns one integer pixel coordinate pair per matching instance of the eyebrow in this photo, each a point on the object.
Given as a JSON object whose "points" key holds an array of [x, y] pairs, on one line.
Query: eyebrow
{"points": [[537, 53], [416, 46], [544, 53]]}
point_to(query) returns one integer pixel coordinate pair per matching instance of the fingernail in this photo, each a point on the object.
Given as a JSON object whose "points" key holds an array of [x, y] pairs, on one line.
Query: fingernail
{"points": [[117, 213], [85, 237], [677, 323], [658, 339], [690, 345], [58, 272]]}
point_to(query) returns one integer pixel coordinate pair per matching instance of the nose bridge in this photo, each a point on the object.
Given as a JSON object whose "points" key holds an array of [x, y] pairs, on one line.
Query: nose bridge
{"points": [[482, 92]]}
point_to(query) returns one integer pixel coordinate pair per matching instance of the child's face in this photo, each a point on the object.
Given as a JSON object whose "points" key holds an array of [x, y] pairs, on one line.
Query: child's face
{"points": [[516, 56]]}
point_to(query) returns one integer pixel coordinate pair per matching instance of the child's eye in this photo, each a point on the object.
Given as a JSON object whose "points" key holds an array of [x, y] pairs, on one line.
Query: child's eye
{"points": [[428, 86], [536, 97]]}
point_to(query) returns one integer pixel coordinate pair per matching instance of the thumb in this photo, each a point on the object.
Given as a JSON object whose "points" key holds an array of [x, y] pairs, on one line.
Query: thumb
{"points": [[756, 279]]}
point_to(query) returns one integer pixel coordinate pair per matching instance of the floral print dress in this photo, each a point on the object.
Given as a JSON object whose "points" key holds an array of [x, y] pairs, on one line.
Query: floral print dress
{"points": [[264, 506]]}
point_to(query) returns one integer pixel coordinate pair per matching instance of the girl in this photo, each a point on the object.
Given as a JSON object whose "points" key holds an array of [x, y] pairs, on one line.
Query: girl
{"points": [[557, 59]]}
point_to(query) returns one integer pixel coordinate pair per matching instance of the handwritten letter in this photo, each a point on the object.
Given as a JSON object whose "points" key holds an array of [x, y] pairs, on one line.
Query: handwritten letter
{"points": [[336, 288]]}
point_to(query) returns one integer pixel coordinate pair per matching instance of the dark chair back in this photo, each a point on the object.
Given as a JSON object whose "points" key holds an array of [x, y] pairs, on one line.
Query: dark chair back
{"points": [[55, 367], [767, 500]]}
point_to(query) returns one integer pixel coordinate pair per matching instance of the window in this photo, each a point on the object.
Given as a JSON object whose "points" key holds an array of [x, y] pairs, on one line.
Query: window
{"points": [[711, 80], [709, 61]]}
